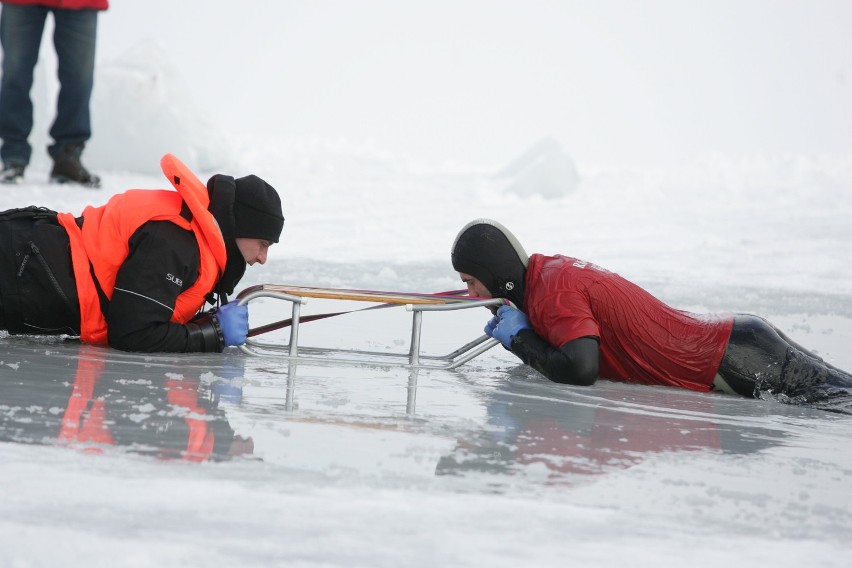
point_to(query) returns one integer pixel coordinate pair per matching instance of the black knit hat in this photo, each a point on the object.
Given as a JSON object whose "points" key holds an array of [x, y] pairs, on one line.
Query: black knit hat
{"points": [[257, 210], [489, 252]]}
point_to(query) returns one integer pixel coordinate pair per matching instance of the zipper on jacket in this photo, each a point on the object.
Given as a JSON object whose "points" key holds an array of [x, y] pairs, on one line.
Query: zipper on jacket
{"points": [[37, 253], [23, 264]]}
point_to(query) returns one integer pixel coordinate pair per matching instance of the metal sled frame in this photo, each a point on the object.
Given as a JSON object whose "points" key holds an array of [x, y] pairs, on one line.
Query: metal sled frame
{"points": [[414, 303]]}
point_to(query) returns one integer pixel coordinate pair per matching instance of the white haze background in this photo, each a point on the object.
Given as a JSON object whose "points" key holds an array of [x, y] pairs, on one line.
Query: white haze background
{"points": [[702, 149], [389, 120]]}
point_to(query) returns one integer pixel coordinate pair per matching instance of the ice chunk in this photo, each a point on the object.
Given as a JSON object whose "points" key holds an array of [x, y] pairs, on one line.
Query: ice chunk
{"points": [[544, 169], [142, 109]]}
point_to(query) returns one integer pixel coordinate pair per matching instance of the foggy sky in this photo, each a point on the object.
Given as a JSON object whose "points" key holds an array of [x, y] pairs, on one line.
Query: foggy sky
{"points": [[479, 80]]}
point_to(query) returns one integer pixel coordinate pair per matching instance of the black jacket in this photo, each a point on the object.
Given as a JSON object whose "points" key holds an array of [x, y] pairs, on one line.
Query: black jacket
{"points": [[38, 292]]}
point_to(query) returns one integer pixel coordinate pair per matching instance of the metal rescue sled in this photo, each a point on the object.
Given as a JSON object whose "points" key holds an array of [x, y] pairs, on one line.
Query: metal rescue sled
{"points": [[414, 302]]}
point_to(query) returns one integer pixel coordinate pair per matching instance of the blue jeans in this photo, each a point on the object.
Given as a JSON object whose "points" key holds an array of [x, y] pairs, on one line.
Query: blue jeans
{"points": [[21, 28]]}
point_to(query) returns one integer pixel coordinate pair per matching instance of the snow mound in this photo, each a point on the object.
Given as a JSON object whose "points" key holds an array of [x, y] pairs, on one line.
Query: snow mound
{"points": [[544, 169], [142, 109]]}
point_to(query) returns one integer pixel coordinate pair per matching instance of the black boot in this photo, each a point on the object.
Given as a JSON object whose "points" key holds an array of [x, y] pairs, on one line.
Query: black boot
{"points": [[13, 172], [68, 169]]}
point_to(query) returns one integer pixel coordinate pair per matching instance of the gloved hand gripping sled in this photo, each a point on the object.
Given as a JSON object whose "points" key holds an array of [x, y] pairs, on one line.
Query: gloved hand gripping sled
{"points": [[223, 327]]}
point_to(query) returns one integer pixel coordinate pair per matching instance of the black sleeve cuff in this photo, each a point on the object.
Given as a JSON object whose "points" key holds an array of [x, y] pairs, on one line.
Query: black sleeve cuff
{"points": [[575, 363], [205, 335]]}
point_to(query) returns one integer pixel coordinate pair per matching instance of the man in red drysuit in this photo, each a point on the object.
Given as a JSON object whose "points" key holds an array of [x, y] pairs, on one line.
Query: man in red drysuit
{"points": [[574, 322]]}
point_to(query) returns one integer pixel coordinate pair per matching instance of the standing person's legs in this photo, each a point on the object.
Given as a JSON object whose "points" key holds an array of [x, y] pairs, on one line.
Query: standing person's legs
{"points": [[21, 28], [74, 37]]}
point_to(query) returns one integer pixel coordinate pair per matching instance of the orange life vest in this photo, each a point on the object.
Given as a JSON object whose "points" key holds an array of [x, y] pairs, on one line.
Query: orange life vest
{"points": [[84, 421], [102, 245], [201, 440]]}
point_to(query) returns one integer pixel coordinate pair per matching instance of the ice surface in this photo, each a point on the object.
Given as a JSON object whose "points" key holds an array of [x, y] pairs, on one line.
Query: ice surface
{"points": [[351, 112]]}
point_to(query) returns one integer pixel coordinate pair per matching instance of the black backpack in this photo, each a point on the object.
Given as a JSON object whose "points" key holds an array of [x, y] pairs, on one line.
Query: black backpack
{"points": [[38, 293]]}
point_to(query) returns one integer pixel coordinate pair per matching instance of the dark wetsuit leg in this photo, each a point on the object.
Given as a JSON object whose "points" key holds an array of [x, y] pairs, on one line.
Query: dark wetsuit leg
{"points": [[760, 358]]}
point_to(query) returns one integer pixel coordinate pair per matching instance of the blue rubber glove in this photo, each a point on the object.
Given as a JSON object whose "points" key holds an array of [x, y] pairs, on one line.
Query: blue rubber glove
{"points": [[233, 319], [509, 322], [489, 327], [227, 392]]}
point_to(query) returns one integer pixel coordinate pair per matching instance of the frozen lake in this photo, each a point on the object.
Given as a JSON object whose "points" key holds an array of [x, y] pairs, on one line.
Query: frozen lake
{"points": [[716, 174], [241, 460]]}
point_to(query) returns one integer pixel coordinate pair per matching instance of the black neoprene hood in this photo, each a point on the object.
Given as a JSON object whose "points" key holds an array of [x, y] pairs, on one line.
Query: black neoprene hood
{"points": [[489, 252]]}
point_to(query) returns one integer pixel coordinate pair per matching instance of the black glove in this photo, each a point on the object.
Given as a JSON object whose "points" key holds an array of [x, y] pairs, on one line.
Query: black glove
{"points": [[205, 334]]}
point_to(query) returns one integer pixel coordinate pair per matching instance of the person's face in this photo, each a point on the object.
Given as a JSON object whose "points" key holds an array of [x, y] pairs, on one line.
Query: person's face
{"points": [[253, 250], [475, 288]]}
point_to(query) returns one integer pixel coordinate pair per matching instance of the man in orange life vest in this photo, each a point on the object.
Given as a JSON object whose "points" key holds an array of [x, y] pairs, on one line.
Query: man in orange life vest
{"points": [[574, 322], [134, 273]]}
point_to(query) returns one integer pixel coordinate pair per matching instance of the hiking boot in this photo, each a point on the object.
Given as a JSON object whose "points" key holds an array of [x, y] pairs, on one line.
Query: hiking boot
{"points": [[68, 169], [13, 172]]}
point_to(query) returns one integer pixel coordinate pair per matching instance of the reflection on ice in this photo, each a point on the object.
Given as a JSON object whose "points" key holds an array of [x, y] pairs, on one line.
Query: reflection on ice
{"points": [[84, 397], [500, 420], [569, 432], [470, 451]]}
